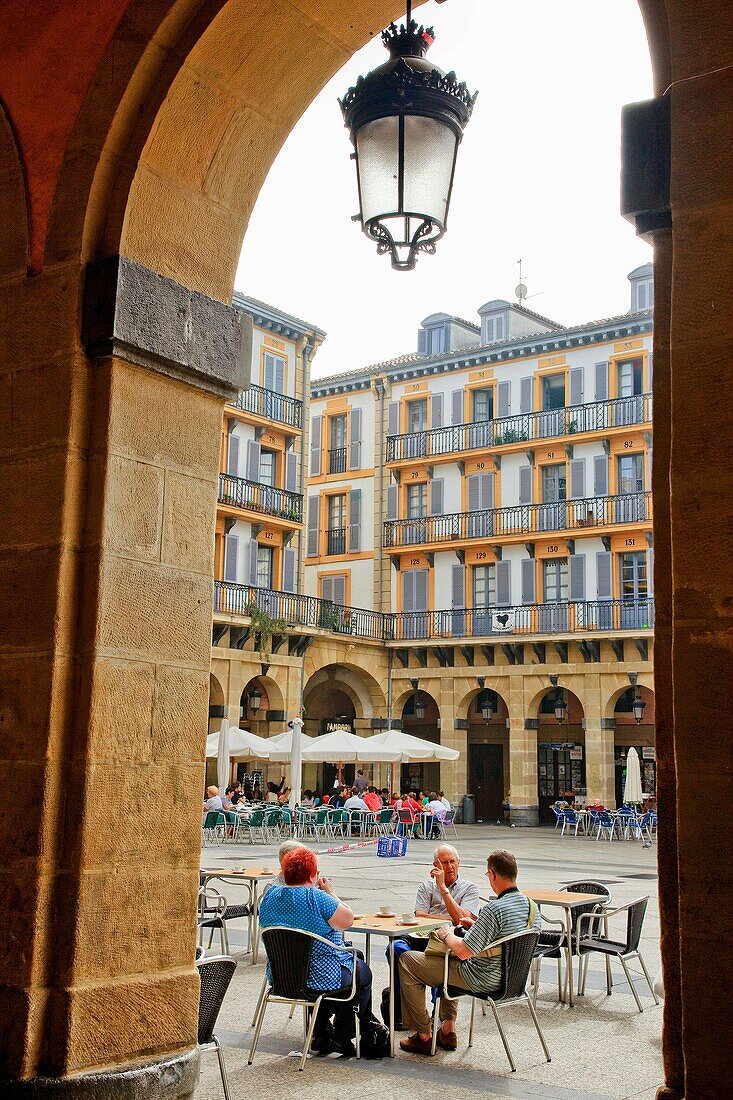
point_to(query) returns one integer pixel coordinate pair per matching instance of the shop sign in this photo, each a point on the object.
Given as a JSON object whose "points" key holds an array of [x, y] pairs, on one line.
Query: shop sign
{"points": [[576, 753], [647, 753]]}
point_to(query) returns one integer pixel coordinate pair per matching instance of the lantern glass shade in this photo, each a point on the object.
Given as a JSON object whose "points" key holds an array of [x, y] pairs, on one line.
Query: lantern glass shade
{"points": [[255, 699], [560, 707], [638, 707], [420, 710]]}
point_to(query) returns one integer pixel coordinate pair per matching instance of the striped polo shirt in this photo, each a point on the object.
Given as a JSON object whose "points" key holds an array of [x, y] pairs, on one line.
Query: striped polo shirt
{"points": [[505, 915]]}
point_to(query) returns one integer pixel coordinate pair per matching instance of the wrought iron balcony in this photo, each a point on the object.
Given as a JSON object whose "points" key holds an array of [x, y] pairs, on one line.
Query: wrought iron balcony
{"points": [[299, 611], [526, 619], [271, 406], [336, 540], [253, 497], [337, 460], [623, 412], [524, 519]]}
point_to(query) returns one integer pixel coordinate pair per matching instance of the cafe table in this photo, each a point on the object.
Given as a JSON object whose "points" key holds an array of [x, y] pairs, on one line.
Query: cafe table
{"points": [[392, 928], [251, 877], [567, 901]]}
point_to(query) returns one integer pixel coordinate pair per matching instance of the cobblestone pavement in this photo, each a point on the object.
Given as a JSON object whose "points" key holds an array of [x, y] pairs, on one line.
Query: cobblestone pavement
{"points": [[602, 1048]]}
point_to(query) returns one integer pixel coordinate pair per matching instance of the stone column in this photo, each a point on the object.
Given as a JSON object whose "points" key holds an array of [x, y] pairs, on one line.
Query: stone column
{"points": [[454, 773], [108, 493], [524, 805], [599, 763]]}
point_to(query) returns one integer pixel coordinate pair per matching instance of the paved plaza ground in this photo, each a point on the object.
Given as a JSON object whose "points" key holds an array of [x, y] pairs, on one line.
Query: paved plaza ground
{"points": [[602, 1048]]}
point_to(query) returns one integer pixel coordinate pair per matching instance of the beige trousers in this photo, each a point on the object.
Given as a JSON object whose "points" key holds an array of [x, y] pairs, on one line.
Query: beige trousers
{"points": [[419, 972]]}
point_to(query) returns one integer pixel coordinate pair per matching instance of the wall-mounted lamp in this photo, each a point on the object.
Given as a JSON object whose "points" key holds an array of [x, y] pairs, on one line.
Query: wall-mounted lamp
{"points": [[254, 699], [420, 709], [638, 706], [559, 704]]}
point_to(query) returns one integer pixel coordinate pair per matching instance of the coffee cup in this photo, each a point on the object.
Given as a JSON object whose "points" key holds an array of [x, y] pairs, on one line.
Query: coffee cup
{"points": [[385, 910], [408, 918]]}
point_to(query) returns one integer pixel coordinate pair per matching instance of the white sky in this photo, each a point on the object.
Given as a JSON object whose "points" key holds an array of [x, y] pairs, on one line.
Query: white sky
{"points": [[537, 178]]}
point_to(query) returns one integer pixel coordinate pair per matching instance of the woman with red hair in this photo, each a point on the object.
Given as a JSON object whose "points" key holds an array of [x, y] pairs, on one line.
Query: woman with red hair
{"points": [[306, 901]]}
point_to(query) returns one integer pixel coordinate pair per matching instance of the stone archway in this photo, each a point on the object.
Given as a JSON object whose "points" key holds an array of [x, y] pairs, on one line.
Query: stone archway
{"points": [[627, 732], [561, 762], [488, 750]]}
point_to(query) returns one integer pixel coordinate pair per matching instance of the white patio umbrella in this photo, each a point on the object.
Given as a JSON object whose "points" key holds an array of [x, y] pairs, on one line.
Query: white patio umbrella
{"points": [[341, 746], [632, 787], [222, 757], [281, 744], [412, 748], [243, 745], [296, 762]]}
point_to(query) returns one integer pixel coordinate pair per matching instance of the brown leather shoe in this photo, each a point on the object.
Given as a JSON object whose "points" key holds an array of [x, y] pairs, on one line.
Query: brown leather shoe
{"points": [[447, 1040], [415, 1045]]}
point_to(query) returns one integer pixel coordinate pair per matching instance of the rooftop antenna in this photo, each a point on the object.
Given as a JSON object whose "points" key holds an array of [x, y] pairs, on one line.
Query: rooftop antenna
{"points": [[520, 289]]}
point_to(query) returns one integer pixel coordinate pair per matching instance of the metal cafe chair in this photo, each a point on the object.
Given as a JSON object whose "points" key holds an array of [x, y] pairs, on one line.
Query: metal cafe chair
{"points": [[215, 974], [516, 959], [553, 944], [625, 950]]}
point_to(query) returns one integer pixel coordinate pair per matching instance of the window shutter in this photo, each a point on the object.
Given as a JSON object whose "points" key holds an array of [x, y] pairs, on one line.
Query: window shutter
{"points": [[650, 453], [457, 406], [600, 476], [422, 342], [504, 398], [525, 395], [503, 583], [354, 521], [528, 580], [436, 411], [601, 382], [650, 571], [436, 496], [577, 577], [253, 562], [327, 589], [268, 374], [577, 478], [339, 590], [392, 501], [650, 371], [291, 471], [314, 504], [421, 589], [254, 450], [355, 439], [316, 427], [576, 386], [279, 376], [486, 494], [408, 591], [473, 485], [458, 586], [233, 456], [603, 575], [393, 415], [525, 484], [231, 551], [288, 569]]}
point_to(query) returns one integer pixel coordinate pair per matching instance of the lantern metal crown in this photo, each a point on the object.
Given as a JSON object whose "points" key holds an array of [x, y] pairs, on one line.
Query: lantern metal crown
{"points": [[406, 120]]}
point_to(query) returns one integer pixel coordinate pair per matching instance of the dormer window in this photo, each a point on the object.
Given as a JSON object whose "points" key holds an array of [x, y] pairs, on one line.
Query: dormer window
{"points": [[435, 341], [644, 295], [493, 328]]}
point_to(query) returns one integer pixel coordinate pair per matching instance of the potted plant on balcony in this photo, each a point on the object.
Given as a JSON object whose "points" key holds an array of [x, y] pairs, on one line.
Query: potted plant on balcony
{"points": [[263, 626]]}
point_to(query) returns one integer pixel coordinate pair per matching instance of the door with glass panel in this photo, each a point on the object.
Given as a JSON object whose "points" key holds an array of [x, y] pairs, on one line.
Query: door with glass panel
{"points": [[552, 417], [484, 597], [554, 607], [415, 603], [630, 505], [336, 532], [267, 479], [417, 425], [480, 432], [629, 387], [337, 453], [552, 512], [635, 607], [417, 510]]}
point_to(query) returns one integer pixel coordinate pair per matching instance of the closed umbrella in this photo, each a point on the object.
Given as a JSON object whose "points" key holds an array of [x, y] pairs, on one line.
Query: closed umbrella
{"points": [[412, 748], [632, 787], [296, 762], [222, 757]]}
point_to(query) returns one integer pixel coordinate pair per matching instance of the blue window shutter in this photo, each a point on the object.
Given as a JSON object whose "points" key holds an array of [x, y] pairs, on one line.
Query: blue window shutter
{"points": [[436, 412], [253, 562], [503, 584], [231, 550], [525, 484], [421, 589], [254, 450], [577, 577], [603, 575], [528, 580], [601, 382], [316, 427], [354, 521], [279, 375], [291, 471], [486, 495], [457, 407], [473, 486], [436, 496], [525, 395], [314, 504], [327, 589], [600, 476], [576, 386], [338, 592], [393, 415], [268, 373], [458, 586], [504, 398], [577, 478], [233, 456], [355, 439], [392, 501], [288, 570]]}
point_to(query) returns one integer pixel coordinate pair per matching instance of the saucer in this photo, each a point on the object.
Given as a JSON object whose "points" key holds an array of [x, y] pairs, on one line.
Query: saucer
{"points": [[385, 914]]}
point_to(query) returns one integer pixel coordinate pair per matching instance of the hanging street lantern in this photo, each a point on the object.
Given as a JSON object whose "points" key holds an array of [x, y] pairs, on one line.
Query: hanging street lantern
{"points": [[420, 710], [638, 706], [406, 120], [560, 706], [254, 699]]}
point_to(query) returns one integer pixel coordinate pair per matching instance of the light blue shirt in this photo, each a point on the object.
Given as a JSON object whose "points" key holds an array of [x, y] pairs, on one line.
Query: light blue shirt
{"points": [[309, 909]]}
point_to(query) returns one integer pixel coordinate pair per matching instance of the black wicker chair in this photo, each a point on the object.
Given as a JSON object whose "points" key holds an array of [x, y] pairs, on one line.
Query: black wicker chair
{"points": [[553, 941], [623, 950], [215, 974], [231, 912], [289, 955], [211, 908], [516, 959]]}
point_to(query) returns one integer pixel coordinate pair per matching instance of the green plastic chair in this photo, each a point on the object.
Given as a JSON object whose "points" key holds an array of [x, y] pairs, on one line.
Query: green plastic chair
{"points": [[214, 828]]}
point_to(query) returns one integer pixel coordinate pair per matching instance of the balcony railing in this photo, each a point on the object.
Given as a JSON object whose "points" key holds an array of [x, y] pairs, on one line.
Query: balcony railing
{"points": [[522, 428], [240, 493], [511, 622], [337, 460], [299, 611], [564, 515], [271, 406], [336, 540]]}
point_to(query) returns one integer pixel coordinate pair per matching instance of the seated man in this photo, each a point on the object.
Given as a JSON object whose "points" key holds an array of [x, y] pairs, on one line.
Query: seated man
{"points": [[307, 901], [213, 800], [434, 809], [473, 965], [355, 801], [445, 894]]}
